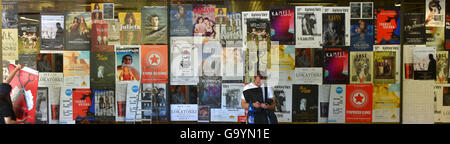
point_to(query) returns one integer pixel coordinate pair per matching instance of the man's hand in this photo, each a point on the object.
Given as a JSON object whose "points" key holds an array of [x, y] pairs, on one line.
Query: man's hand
{"points": [[256, 105], [264, 106]]}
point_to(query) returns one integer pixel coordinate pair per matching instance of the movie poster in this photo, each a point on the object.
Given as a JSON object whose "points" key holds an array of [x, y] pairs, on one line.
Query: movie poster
{"points": [[435, 12], [355, 10], [108, 11], [128, 63], [50, 61], [97, 11], [184, 112], [211, 58], [52, 32], [104, 104], [10, 50], [130, 28], [181, 16], [282, 64], [50, 79], [183, 94], [305, 101], [121, 102], [185, 61], [41, 106], [233, 29], [232, 63], [102, 69], [336, 26], [158, 99], [324, 102], [66, 106], [83, 105], [53, 103], [211, 92], [442, 103], [386, 103], [336, 108], [10, 17], [204, 20], [387, 25], [283, 107], [359, 102], [258, 43], [424, 63], [133, 106], [76, 69], [29, 33], [24, 92], [386, 64], [261, 15], [28, 60], [335, 67], [308, 66], [308, 24], [78, 31], [408, 62], [441, 67], [154, 64], [204, 114], [282, 27], [231, 95], [361, 35], [435, 37], [100, 33], [414, 30], [113, 32], [154, 25], [221, 20], [361, 64]]}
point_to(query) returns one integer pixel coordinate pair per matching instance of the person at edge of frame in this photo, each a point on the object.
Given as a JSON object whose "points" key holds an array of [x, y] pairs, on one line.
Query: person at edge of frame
{"points": [[7, 115]]}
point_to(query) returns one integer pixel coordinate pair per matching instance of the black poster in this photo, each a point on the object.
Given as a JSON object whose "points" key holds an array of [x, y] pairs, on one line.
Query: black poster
{"points": [[305, 100], [414, 28]]}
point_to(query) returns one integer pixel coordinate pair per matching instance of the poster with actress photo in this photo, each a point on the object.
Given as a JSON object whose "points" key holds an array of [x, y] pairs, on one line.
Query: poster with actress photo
{"points": [[52, 31], [181, 19], [130, 28], [308, 24], [361, 35], [283, 107], [128, 63], [435, 13], [336, 26], [78, 31], [154, 25], [204, 22]]}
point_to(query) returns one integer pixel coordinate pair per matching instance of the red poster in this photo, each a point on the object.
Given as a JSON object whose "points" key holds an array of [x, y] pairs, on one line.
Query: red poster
{"points": [[83, 107], [154, 59], [24, 92], [359, 103]]}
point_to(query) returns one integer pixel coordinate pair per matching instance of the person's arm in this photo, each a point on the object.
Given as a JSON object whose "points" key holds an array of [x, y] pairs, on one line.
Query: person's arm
{"points": [[245, 104], [9, 120], [11, 76], [271, 107]]}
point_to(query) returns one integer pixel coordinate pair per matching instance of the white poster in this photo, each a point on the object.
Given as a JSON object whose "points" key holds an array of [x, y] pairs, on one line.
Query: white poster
{"points": [[336, 109], [396, 49], [308, 24], [132, 105], [417, 102], [47, 79], [324, 98], [308, 76], [211, 58], [226, 115], [66, 107], [332, 27], [183, 112], [250, 15], [53, 104], [442, 103], [185, 60], [231, 95], [434, 13], [283, 98], [232, 63], [121, 100]]}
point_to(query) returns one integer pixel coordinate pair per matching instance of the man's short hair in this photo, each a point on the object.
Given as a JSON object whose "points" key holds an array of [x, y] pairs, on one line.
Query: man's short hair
{"points": [[260, 75], [123, 58]]}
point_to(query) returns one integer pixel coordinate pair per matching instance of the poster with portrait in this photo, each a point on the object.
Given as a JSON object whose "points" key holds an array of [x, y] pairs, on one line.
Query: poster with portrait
{"points": [[76, 69], [424, 59], [128, 63], [41, 106], [361, 64], [10, 17], [28, 60], [435, 37], [211, 58], [102, 70], [220, 14], [308, 66], [154, 25], [183, 112], [305, 102], [232, 63], [78, 31], [359, 101], [387, 25], [282, 27], [108, 11], [231, 95], [113, 32], [97, 11], [185, 61], [324, 102], [83, 105], [262, 15], [154, 59], [10, 49], [211, 92], [386, 103], [308, 24], [336, 107], [158, 99], [50, 61], [361, 35], [104, 104], [336, 26], [204, 20], [414, 30], [52, 31], [53, 104], [441, 67], [204, 113], [29, 33], [121, 102], [181, 16], [335, 66], [130, 28], [383, 55], [66, 106], [283, 107], [434, 13]]}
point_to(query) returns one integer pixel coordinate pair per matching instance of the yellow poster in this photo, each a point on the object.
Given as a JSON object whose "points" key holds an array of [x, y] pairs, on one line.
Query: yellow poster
{"points": [[10, 45]]}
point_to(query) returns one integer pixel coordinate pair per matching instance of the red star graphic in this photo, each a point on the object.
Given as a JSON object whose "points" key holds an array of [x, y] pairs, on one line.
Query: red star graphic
{"points": [[359, 98], [154, 59]]}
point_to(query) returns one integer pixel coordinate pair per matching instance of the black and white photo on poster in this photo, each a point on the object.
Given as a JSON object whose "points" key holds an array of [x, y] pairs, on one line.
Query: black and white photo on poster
{"points": [[52, 31], [283, 107], [10, 17], [231, 95], [28, 60], [263, 15], [367, 10], [355, 10], [41, 106], [435, 13], [414, 30], [324, 101], [232, 63], [424, 63], [336, 26], [308, 21]]}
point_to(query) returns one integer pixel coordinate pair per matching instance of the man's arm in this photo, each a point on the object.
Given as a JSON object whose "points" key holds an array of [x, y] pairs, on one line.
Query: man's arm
{"points": [[245, 104], [11, 76]]}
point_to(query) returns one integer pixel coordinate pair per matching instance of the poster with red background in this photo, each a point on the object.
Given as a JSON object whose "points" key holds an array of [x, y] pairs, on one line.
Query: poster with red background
{"points": [[24, 92], [358, 105], [154, 59]]}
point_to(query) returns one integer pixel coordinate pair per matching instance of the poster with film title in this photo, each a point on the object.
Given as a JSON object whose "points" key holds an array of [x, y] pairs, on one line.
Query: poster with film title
{"points": [[23, 93], [434, 13], [361, 35], [128, 63], [28, 60], [324, 102], [120, 102], [160, 102], [308, 66], [386, 64], [233, 31], [305, 102], [104, 104], [185, 61], [359, 101], [220, 14], [336, 26], [441, 67], [113, 31], [102, 69], [29, 33], [387, 25], [154, 59], [335, 66], [133, 106], [184, 112], [386, 103], [211, 92], [283, 107], [52, 31], [108, 11], [258, 43], [336, 108], [361, 10], [181, 16], [204, 20], [100, 34], [282, 27], [263, 15], [308, 24], [281, 67], [424, 59], [154, 25], [10, 49], [130, 28], [361, 64], [78, 31], [414, 29], [76, 69], [10, 17], [83, 105], [232, 63], [41, 106], [211, 58], [355, 10]]}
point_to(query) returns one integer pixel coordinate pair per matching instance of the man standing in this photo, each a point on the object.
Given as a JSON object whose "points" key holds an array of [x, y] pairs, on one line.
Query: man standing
{"points": [[261, 107]]}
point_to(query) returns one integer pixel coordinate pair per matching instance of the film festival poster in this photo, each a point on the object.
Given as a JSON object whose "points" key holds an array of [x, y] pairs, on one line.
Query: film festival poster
{"points": [[83, 105], [231, 95], [264, 17], [10, 49], [185, 61], [154, 59], [308, 24], [102, 69], [386, 103], [28, 60], [181, 16], [100, 29], [336, 26], [24, 93], [282, 27], [336, 107], [435, 13], [204, 21], [128, 63], [41, 106], [305, 101], [435, 37], [359, 103], [159, 99], [104, 104], [336, 70], [76, 69], [424, 59], [211, 92], [113, 32], [361, 64], [78, 31], [52, 31], [29, 33], [154, 25], [387, 27], [361, 35], [441, 67], [414, 30], [283, 107], [211, 58], [324, 102], [130, 28]]}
